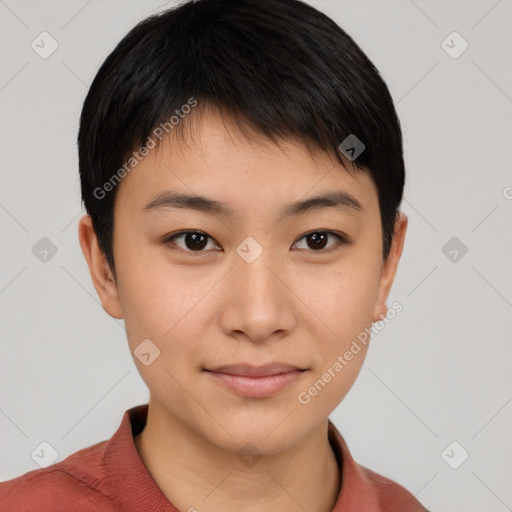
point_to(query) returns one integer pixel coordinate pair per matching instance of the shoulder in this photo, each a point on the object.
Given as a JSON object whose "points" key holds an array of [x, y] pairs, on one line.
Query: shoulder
{"points": [[391, 495], [380, 494], [75, 484]]}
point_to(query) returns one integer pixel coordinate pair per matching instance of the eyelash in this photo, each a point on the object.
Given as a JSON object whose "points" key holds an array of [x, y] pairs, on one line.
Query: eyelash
{"points": [[342, 240]]}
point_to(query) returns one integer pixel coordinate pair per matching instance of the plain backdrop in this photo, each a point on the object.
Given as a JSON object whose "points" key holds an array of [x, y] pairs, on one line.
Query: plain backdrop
{"points": [[439, 373]]}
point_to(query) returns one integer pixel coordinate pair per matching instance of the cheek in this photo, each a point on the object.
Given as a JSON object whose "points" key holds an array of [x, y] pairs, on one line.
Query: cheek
{"points": [[344, 302], [342, 297], [160, 300], [164, 307]]}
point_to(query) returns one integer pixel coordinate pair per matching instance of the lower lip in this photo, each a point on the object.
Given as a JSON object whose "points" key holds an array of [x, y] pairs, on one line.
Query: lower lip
{"points": [[257, 387]]}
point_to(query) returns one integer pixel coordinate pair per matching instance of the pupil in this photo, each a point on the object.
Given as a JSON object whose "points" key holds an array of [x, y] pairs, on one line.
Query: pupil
{"points": [[318, 237], [195, 237]]}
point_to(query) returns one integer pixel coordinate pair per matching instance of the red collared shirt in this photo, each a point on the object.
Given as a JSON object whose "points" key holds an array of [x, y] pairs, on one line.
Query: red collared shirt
{"points": [[110, 476]]}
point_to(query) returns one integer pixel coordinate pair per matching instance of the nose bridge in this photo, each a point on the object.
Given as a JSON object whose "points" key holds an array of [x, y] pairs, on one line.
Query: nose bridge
{"points": [[255, 267], [258, 304]]}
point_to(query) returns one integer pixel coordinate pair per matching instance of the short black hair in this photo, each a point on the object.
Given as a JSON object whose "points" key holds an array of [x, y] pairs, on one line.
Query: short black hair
{"points": [[281, 68]]}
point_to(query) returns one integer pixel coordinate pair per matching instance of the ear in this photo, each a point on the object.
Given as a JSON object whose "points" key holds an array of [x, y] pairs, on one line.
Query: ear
{"points": [[99, 269], [390, 266]]}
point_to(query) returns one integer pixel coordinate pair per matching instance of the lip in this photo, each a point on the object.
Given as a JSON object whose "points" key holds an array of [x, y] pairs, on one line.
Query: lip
{"points": [[247, 370], [256, 381]]}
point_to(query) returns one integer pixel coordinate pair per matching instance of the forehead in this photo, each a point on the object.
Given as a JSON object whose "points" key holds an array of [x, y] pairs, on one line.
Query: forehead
{"points": [[214, 158]]}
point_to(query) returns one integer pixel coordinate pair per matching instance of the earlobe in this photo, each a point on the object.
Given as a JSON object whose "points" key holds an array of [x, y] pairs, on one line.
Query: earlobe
{"points": [[380, 312], [390, 267], [101, 275]]}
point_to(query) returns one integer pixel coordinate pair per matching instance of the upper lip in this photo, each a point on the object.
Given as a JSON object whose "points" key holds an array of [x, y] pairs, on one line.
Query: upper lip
{"points": [[247, 370]]}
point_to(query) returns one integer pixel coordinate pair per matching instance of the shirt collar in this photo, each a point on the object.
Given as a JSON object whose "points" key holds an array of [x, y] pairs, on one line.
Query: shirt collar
{"points": [[130, 481], [357, 492]]}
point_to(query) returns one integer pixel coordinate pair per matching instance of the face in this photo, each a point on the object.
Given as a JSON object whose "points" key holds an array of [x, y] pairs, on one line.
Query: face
{"points": [[278, 292]]}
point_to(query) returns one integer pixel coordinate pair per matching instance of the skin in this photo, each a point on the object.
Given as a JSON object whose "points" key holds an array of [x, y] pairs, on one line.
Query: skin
{"points": [[292, 304]]}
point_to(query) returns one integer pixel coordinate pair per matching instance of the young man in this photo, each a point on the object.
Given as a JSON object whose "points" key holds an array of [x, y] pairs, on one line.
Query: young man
{"points": [[241, 164]]}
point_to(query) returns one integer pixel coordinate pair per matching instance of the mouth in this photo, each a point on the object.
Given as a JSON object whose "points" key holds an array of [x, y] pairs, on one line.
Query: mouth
{"points": [[256, 381]]}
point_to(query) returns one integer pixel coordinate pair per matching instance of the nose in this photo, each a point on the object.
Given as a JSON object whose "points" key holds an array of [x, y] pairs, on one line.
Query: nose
{"points": [[258, 302]]}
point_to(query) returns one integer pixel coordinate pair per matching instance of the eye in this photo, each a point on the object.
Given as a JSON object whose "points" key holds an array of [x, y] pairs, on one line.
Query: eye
{"points": [[318, 240], [194, 241], [197, 241]]}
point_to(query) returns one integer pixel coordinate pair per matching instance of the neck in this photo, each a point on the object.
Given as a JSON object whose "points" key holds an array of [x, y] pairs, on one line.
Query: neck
{"points": [[195, 475]]}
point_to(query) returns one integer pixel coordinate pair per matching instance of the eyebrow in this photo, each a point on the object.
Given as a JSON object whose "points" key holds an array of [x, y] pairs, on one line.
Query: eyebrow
{"points": [[332, 199]]}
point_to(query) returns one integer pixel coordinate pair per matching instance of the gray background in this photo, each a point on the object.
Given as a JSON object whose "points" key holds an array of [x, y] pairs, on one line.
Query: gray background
{"points": [[438, 373]]}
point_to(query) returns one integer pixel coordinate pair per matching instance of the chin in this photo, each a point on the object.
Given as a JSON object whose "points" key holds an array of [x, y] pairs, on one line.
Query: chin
{"points": [[270, 432]]}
